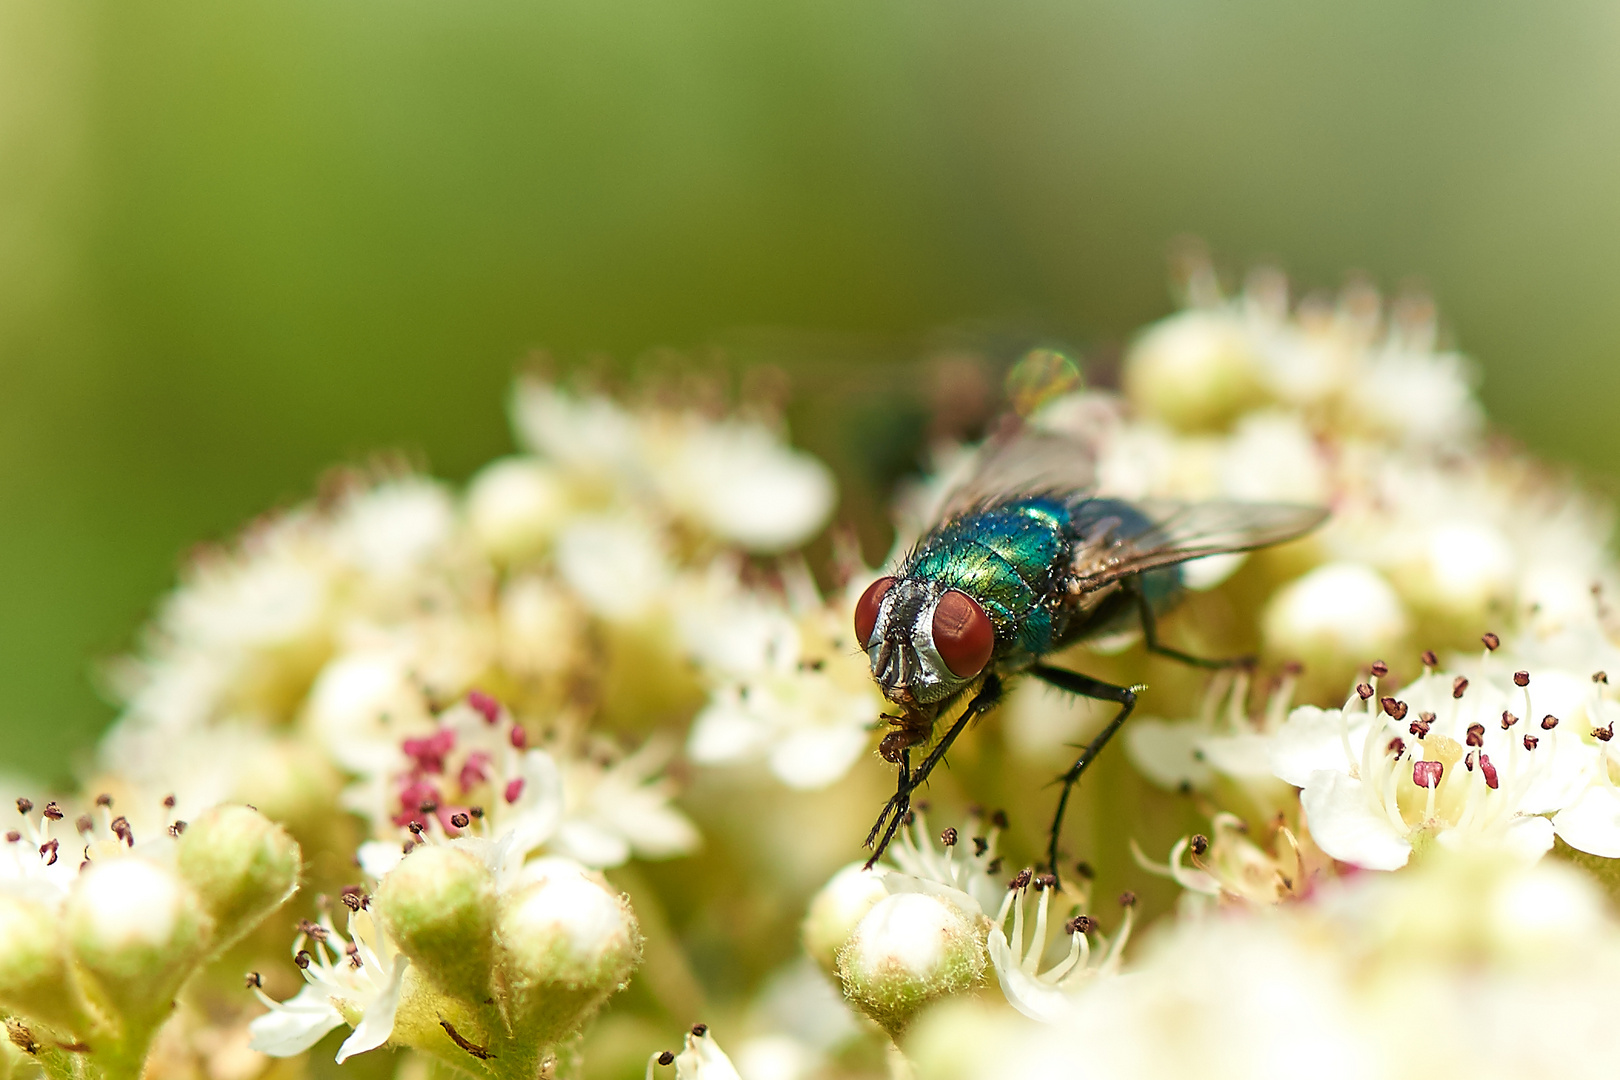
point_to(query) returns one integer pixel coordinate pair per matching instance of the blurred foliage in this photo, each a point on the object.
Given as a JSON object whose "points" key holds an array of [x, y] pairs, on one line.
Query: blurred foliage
{"points": [[239, 243]]}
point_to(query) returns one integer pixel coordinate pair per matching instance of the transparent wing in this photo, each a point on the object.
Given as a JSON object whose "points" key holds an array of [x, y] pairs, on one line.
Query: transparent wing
{"points": [[1024, 462], [1182, 531]]}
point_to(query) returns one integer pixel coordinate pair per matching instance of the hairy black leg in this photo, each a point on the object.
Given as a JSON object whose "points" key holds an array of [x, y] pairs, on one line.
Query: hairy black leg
{"points": [[1150, 637], [985, 700], [1084, 686]]}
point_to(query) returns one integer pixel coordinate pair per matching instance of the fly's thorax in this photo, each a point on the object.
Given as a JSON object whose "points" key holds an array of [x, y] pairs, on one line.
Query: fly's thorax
{"points": [[902, 650]]}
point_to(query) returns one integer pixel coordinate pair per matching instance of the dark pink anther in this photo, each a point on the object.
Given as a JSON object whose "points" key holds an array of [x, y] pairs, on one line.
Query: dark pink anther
{"points": [[487, 707], [514, 790], [1488, 769], [520, 738], [412, 797], [428, 753], [1427, 774], [474, 771]]}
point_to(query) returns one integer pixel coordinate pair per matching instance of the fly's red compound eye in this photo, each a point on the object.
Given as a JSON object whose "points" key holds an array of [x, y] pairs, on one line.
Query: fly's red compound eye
{"points": [[866, 609], [963, 636]]}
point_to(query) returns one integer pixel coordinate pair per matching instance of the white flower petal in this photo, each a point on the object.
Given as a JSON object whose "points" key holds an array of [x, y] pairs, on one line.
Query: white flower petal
{"points": [[378, 1021], [1347, 827], [725, 733], [1592, 822], [815, 757], [1166, 752], [1245, 755], [377, 857], [592, 844], [294, 1025], [1026, 993], [1311, 739]]}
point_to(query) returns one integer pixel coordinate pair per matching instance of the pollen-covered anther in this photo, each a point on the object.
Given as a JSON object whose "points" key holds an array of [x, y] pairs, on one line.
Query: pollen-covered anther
{"points": [[460, 821], [302, 959], [253, 980], [1395, 709], [353, 952], [416, 828], [980, 846], [1549, 722], [85, 824], [1379, 668], [48, 850], [176, 828], [120, 828], [1080, 924], [312, 929], [1508, 719], [1127, 899], [700, 1030], [666, 1058], [948, 837], [475, 812], [1397, 746], [1459, 686], [1420, 726], [1530, 741], [1045, 881], [1603, 734], [1521, 678], [1426, 774], [1198, 844], [1429, 659], [1600, 677], [1492, 642], [1021, 879], [25, 806], [102, 800], [54, 813], [1476, 735]]}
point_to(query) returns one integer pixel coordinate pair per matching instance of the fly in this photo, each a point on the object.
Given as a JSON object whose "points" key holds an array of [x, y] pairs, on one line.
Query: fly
{"points": [[1028, 559]]}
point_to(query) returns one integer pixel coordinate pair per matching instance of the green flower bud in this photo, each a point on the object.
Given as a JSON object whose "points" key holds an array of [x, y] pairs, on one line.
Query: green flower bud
{"points": [[837, 908], [910, 950], [34, 976], [1194, 371], [567, 943], [137, 930], [242, 865], [439, 907]]}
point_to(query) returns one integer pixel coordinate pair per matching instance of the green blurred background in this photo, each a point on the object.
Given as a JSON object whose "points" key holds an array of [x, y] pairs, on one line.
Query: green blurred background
{"points": [[240, 242]]}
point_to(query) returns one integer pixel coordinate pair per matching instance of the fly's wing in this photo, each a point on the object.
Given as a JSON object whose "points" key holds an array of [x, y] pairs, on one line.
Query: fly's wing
{"points": [[1178, 532], [1023, 462]]}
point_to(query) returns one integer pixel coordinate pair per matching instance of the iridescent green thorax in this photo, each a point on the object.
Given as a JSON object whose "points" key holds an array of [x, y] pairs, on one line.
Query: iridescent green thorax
{"points": [[1007, 558]]}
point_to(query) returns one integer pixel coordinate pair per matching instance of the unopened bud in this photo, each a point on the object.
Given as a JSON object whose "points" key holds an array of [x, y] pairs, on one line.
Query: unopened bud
{"points": [[568, 942], [1194, 371], [515, 505], [438, 904], [910, 950], [835, 910], [242, 865], [35, 980], [137, 930]]}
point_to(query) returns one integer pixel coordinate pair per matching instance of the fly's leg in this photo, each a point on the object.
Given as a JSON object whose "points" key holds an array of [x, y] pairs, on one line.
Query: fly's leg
{"points": [[895, 811], [1084, 686], [1150, 637]]}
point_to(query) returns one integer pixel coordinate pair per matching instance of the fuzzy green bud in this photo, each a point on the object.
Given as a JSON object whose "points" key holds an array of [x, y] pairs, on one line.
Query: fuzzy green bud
{"points": [[34, 976], [910, 950], [837, 908], [439, 907], [567, 943], [242, 865], [137, 930]]}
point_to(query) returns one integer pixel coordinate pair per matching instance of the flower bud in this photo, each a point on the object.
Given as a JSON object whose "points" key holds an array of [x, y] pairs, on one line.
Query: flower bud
{"points": [[567, 943], [439, 907], [1335, 618], [837, 908], [910, 949], [34, 976], [1194, 371], [242, 865], [137, 930], [514, 504]]}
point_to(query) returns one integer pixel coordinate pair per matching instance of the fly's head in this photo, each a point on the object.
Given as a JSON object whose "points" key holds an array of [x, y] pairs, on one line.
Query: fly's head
{"points": [[925, 641]]}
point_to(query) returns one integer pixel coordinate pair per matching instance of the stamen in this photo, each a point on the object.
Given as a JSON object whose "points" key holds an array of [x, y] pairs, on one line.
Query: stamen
{"points": [[1492, 642], [1521, 678], [1426, 774], [1459, 685], [1508, 719], [1476, 735], [1429, 659], [1549, 722]]}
